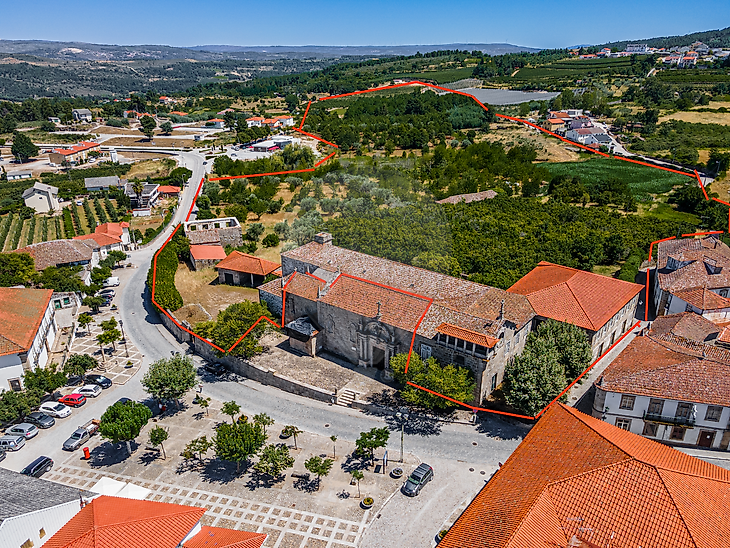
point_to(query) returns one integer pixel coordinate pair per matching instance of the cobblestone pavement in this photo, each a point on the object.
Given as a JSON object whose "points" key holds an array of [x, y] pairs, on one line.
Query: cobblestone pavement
{"points": [[285, 527], [115, 364]]}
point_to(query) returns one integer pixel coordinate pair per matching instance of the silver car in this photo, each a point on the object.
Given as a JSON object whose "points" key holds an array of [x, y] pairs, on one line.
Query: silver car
{"points": [[24, 429], [89, 390], [11, 443]]}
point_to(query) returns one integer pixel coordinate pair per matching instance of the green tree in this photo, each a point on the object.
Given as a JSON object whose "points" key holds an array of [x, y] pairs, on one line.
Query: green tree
{"points": [[237, 442], [357, 475], [23, 148], [291, 430], [16, 269], [274, 459], [61, 279], [233, 322], [452, 381], [148, 126], [231, 408], [444, 264], [138, 188], [180, 175], [166, 128], [106, 337], [264, 420], [204, 403], [170, 378], [571, 343], [115, 256], [124, 422], [78, 364], [84, 320], [198, 447], [158, 436], [368, 442], [271, 240], [44, 379], [319, 467]]}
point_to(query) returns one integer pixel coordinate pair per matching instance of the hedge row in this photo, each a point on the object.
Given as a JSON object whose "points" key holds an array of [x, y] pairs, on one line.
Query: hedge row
{"points": [[166, 294], [31, 230], [113, 215], [100, 213], [77, 220], [15, 236], [68, 224], [4, 229]]}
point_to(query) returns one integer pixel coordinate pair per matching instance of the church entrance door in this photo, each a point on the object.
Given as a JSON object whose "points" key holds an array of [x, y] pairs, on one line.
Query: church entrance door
{"points": [[378, 358]]}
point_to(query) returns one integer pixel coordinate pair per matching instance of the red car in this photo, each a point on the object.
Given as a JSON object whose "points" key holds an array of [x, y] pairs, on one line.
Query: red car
{"points": [[73, 400]]}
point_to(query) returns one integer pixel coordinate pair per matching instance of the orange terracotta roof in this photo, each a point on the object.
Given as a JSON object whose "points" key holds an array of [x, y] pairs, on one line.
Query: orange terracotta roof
{"points": [[83, 145], [577, 475], [569, 295], [558, 121], [102, 240], [207, 252], [255, 119], [702, 298], [467, 335], [21, 314], [694, 261], [216, 120], [179, 113], [217, 537], [362, 297], [112, 229], [112, 522], [243, 262], [168, 189], [688, 325]]}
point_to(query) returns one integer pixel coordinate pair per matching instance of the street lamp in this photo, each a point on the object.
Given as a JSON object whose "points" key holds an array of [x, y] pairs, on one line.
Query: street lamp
{"points": [[402, 416], [126, 350]]}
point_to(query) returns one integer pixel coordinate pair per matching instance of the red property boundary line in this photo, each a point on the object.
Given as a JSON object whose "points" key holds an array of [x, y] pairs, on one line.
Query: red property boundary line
{"points": [[430, 301]]}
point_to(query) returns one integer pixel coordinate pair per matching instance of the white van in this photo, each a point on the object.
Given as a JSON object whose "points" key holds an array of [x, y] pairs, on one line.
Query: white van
{"points": [[112, 281]]}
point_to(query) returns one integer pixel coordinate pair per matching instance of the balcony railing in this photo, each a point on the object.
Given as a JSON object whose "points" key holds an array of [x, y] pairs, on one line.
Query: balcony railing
{"points": [[674, 421]]}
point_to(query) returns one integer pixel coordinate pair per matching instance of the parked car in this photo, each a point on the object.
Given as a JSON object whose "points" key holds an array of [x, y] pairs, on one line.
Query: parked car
{"points": [[420, 477], [215, 368], [106, 293], [72, 400], [55, 409], [101, 380], [80, 435], [24, 429], [41, 420], [74, 380], [12, 442], [38, 467], [89, 390], [111, 281], [122, 401]]}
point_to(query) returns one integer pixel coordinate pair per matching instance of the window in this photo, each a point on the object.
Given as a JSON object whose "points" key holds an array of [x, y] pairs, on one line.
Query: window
{"points": [[481, 350], [517, 339], [42, 533], [677, 433], [508, 346], [494, 381], [713, 413], [470, 347], [459, 360], [14, 385], [627, 402], [425, 351], [623, 424], [655, 406], [683, 410], [650, 429]]}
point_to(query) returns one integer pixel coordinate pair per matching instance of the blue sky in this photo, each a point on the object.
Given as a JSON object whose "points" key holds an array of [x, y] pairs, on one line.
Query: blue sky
{"points": [[535, 23]]}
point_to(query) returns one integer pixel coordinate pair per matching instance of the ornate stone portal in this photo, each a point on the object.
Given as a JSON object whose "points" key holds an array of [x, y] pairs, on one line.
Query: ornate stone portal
{"points": [[376, 344]]}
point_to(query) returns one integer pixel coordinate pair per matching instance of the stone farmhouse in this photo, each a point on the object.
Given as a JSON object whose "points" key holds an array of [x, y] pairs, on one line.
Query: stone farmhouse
{"points": [[578, 482], [604, 307], [367, 309], [671, 384], [693, 275]]}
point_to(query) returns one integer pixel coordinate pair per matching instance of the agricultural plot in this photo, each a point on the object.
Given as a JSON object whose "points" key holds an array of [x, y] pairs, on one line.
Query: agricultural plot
{"points": [[569, 71], [642, 180]]}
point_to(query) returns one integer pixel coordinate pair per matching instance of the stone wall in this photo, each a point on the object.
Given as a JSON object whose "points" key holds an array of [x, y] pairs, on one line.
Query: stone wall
{"points": [[242, 367], [230, 236], [272, 301]]}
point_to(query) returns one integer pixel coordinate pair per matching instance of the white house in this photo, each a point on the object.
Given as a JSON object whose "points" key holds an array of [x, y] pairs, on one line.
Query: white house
{"points": [[217, 123], [41, 197], [583, 136], [671, 385], [82, 115], [254, 121], [693, 275], [27, 332]]}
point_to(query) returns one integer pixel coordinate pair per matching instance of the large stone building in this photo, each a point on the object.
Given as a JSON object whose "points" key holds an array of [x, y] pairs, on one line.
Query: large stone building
{"points": [[367, 309], [603, 307], [693, 275]]}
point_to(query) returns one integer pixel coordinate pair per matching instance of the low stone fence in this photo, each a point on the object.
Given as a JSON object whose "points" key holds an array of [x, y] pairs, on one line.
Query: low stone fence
{"points": [[246, 369]]}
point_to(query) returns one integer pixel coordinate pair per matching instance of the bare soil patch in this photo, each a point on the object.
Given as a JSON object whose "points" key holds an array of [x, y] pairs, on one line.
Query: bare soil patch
{"points": [[722, 118], [201, 286], [548, 148], [150, 168], [144, 142]]}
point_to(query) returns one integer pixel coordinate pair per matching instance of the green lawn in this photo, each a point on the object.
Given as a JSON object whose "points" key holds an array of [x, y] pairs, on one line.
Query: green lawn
{"points": [[642, 180]]}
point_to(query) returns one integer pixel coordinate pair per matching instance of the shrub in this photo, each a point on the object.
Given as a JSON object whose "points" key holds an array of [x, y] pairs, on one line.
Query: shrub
{"points": [[271, 240]]}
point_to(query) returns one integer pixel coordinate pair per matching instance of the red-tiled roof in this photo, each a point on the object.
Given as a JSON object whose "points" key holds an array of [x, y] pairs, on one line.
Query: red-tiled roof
{"points": [[58, 252], [112, 522], [207, 252], [168, 189], [243, 262], [702, 298], [694, 260], [179, 113], [568, 295], [21, 314], [362, 297], [688, 325], [101, 240], [557, 121], [657, 366], [83, 145], [217, 537], [467, 335], [576, 475], [112, 229]]}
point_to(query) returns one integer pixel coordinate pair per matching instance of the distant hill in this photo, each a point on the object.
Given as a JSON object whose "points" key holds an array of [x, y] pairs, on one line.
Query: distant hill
{"points": [[713, 38], [375, 51]]}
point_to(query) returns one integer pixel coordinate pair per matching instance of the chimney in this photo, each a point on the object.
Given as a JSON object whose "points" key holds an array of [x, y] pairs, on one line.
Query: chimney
{"points": [[379, 314], [501, 310], [324, 238]]}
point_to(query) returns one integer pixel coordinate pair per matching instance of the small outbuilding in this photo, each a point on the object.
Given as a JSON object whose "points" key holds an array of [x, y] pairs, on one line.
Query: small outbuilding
{"points": [[206, 255], [41, 197], [303, 336], [243, 269]]}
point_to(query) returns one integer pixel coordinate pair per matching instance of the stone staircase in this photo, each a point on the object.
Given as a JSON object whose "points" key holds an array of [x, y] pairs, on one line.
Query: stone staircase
{"points": [[345, 397]]}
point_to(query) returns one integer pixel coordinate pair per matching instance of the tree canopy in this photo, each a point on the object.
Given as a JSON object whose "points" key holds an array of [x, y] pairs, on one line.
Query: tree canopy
{"points": [[124, 422], [233, 322], [449, 380], [238, 442], [170, 378]]}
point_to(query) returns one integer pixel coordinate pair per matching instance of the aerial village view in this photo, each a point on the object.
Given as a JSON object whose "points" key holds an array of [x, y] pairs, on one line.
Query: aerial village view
{"points": [[469, 288]]}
